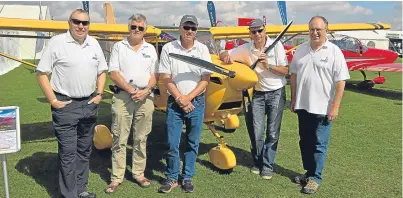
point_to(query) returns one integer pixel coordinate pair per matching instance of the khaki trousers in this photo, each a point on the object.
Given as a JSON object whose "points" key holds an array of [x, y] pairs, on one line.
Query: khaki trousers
{"points": [[126, 115]]}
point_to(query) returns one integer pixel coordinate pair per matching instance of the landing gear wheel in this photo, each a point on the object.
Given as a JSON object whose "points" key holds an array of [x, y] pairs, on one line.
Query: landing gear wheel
{"points": [[366, 84]]}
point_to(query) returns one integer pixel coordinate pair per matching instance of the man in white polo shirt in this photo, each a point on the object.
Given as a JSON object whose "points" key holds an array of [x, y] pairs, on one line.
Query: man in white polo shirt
{"points": [[186, 84], [78, 66], [318, 75], [268, 96], [132, 68]]}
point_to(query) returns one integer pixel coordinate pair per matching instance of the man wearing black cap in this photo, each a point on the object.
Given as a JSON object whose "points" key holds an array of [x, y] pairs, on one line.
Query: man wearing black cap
{"points": [[268, 96], [186, 84]]}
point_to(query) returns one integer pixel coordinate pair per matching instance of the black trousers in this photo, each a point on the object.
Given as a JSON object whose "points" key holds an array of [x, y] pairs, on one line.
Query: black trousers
{"points": [[74, 129]]}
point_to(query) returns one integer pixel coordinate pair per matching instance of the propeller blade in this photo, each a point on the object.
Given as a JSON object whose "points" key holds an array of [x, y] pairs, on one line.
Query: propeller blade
{"points": [[274, 43], [204, 64]]}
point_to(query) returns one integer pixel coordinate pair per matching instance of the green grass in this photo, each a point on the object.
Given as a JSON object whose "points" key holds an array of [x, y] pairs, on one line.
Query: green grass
{"points": [[398, 60], [364, 157]]}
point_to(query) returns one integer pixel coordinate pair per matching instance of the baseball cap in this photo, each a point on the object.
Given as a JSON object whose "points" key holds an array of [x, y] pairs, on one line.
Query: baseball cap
{"points": [[189, 18], [256, 23]]}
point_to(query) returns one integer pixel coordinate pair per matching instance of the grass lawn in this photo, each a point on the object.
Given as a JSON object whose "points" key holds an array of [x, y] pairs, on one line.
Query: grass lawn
{"points": [[364, 157]]}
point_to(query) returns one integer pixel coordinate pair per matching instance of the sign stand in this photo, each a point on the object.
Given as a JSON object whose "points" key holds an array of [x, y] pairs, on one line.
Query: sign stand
{"points": [[4, 163], [10, 141]]}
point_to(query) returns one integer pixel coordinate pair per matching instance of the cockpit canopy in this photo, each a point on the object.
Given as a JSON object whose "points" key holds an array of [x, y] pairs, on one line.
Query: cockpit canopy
{"points": [[347, 43]]}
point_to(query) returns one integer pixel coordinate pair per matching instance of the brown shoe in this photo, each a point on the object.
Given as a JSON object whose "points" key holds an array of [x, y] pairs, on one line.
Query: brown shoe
{"points": [[112, 187], [143, 182], [310, 187]]}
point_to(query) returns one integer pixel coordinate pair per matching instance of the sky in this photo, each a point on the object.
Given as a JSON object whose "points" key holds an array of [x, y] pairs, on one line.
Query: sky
{"points": [[170, 12]]}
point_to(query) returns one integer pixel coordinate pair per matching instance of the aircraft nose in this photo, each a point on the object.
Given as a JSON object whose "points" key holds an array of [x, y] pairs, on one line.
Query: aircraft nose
{"points": [[245, 77]]}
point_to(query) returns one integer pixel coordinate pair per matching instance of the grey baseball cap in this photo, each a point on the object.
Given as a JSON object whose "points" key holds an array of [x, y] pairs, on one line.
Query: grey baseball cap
{"points": [[256, 23], [189, 18]]}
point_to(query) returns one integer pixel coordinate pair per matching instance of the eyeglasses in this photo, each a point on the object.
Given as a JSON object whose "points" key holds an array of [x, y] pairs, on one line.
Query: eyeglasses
{"points": [[77, 22], [255, 31], [317, 30], [188, 28], [134, 27]]}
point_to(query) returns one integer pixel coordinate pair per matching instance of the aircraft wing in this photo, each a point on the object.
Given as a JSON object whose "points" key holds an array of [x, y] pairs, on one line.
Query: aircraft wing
{"points": [[62, 26], [243, 32], [389, 67]]}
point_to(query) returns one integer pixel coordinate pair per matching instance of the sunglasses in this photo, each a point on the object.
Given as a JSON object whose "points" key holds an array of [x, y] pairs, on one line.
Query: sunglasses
{"points": [[255, 31], [190, 28], [134, 27], [77, 22]]}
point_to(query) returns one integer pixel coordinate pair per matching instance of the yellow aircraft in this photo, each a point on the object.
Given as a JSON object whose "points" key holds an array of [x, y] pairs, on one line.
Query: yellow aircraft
{"points": [[224, 98]]}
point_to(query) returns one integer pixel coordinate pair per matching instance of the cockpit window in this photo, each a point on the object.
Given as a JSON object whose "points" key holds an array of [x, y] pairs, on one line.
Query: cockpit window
{"points": [[347, 43]]}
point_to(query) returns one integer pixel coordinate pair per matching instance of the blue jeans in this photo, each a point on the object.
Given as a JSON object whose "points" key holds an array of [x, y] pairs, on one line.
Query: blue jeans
{"points": [[174, 122], [270, 103], [314, 132]]}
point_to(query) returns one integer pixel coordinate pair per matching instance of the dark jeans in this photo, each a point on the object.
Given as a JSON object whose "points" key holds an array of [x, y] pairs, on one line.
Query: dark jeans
{"points": [[270, 103], [74, 129], [174, 122], [314, 132]]}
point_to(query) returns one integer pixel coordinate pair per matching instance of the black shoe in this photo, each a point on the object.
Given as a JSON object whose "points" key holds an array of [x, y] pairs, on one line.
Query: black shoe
{"points": [[87, 195], [266, 174], [301, 179], [168, 185], [187, 186]]}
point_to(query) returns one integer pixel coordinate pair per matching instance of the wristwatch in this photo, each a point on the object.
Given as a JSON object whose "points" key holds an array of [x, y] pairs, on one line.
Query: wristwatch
{"points": [[270, 67], [150, 89], [100, 94]]}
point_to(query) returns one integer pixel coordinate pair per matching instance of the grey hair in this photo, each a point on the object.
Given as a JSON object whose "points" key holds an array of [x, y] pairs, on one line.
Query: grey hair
{"points": [[137, 17], [79, 11], [319, 17]]}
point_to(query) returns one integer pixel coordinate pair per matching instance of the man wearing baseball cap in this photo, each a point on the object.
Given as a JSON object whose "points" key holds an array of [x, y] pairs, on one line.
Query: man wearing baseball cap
{"points": [[186, 84], [268, 95]]}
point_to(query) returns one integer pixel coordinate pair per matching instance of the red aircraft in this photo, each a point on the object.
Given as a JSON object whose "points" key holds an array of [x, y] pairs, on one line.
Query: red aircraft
{"points": [[362, 58], [358, 56]]}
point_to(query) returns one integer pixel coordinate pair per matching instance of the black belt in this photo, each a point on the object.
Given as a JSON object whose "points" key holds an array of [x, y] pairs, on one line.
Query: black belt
{"points": [[202, 94], [80, 99]]}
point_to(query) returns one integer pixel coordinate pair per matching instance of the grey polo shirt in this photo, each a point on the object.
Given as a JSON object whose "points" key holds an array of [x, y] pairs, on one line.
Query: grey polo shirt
{"points": [[74, 67]]}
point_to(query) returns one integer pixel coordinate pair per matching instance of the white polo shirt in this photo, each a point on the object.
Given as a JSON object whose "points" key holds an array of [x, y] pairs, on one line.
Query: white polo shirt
{"points": [[134, 65], [185, 75], [248, 54], [317, 73], [74, 67]]}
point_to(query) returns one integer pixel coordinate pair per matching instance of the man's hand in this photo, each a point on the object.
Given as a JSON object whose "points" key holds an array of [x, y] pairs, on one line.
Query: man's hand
{"points": [[226, 58], [333, 112], [263, 60], [97, 99], [189, 108], [292, 106], [57, 104], [183, 101], [140, 95]]}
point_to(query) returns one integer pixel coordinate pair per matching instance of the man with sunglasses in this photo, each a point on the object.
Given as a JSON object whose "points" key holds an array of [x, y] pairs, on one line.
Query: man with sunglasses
{"points": [[132, 67], [268, 96], [78, 66], [186, 84], [318, 76]]}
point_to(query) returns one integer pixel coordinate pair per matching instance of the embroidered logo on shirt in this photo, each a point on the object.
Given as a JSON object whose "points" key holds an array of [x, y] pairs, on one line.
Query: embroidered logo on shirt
{"points": [[323, 59], [95, 57], [146, 55]]}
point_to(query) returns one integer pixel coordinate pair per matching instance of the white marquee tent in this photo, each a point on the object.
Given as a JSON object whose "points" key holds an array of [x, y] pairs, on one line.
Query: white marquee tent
{"points": [[22, 48]]}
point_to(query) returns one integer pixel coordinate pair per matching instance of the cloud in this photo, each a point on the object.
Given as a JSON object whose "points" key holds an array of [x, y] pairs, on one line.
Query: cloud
{"points": [[396, 22], [170, 12]]}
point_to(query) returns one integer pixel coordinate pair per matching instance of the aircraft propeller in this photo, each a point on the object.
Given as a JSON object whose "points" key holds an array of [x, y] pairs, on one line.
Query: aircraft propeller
{"points": [[204, 64]]}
